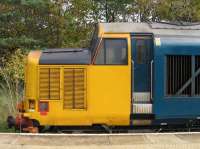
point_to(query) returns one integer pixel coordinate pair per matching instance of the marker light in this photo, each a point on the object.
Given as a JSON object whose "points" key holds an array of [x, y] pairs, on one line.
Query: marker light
{"points": [[31, 104]]}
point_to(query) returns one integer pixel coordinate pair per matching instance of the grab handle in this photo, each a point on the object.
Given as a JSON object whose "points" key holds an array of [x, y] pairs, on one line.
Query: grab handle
{"points": [[152, 79], [132, 75]]}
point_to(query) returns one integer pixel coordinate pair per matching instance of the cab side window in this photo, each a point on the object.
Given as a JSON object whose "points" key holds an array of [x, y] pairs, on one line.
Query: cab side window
{"points": [[112, 52]]}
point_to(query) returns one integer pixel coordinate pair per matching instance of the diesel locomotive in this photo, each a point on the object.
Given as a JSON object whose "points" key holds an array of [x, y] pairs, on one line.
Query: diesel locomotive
{"points": [[133, 74]]}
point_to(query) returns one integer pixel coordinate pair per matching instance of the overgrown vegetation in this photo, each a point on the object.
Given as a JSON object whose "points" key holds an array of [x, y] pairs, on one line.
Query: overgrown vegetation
{"points": [[36, 24], [11, 85]]}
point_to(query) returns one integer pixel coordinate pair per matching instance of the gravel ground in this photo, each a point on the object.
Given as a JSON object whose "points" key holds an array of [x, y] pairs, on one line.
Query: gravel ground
{"points": [[125, 141]]}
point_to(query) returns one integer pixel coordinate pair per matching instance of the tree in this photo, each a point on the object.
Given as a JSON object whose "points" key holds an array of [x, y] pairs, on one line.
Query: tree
{"points": [[111, 10], [179, 10]]}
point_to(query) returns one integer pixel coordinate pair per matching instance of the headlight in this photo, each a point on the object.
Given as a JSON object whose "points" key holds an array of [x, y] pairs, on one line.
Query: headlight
{"points": [[31, 105]]}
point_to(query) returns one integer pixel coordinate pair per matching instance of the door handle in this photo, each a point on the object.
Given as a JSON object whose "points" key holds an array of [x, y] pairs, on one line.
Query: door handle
{"points": [[132, 75], [152, 79]]}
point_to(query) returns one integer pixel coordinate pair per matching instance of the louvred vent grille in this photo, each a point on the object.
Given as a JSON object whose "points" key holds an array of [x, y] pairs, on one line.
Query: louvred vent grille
{"points": [[49, 83], [74, 88]]}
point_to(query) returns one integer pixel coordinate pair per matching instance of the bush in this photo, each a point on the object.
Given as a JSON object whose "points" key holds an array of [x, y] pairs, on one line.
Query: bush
{"points": [[11, 85]]}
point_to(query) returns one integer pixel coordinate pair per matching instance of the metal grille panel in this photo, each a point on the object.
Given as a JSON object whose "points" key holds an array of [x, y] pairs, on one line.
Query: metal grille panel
{"points": [[178, 73], [44, 83], [74, 88], [54, 83], [49, 83], [197, 79]]}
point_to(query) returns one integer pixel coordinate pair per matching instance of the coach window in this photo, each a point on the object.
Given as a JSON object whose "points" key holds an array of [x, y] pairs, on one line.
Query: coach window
{"points": [[112, 52]]}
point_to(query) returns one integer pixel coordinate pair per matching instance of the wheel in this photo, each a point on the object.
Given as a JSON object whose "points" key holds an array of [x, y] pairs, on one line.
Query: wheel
{"points": [[36, 124]]}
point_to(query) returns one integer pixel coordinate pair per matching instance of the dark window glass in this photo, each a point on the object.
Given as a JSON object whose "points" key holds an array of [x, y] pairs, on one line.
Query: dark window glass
{"points": [[143, 51], [113, 52]]}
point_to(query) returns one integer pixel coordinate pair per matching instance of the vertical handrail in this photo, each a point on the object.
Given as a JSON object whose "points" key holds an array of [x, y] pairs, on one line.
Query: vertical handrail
{"points": [[152, 79], [132, 62], [132, 79], [97, 50]]}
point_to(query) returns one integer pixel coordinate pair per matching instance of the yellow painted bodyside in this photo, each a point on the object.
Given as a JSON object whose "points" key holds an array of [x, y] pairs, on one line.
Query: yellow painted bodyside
{"points": [[31, 77], [108, 93]]}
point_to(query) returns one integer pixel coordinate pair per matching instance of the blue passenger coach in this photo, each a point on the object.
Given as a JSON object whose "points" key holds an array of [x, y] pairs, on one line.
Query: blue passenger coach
{"points": [[165, 71], [177, 76]]}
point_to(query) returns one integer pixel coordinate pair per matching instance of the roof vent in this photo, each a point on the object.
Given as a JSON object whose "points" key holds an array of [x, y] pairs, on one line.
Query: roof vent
{"points": [[62, 50]]}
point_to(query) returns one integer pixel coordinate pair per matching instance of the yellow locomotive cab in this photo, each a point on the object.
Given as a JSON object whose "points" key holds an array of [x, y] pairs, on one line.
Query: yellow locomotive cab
{"points": [[80, 94]]}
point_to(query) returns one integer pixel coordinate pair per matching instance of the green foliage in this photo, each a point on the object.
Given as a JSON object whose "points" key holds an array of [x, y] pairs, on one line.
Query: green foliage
{"points": [[18, 42], [34, 24], [13, 66], [4, 127], [179, 10], [11, 86]]}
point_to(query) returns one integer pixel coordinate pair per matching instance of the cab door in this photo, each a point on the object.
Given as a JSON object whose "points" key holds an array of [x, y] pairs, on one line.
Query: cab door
{"points": [[109, 80], [142, 76], [142, 65]]}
